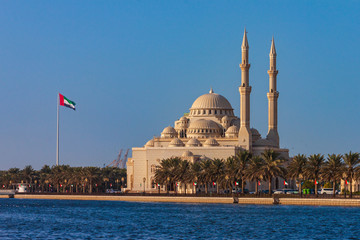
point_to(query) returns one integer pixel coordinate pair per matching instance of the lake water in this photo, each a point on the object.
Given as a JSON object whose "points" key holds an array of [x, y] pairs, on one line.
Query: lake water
{"points": [[60, 219]]}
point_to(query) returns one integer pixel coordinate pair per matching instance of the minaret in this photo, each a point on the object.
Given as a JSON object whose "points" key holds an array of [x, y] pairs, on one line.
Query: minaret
{"points": [[245, 90], [272, 97]]}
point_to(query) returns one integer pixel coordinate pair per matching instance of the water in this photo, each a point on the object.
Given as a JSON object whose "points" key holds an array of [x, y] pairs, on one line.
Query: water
{"points": [[60, 219]]}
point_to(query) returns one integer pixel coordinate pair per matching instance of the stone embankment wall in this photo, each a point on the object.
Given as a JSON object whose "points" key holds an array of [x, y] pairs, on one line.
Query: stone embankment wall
{"points": [[263, 201]]}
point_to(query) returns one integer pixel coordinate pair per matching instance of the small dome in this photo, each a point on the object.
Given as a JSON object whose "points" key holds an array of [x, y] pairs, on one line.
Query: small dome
{"points": [[187, 154], [255, 134], [183, 119], [169, 132], [150, 143], [225, 118], [232, 132], [211, 142], [176, 143], [193, 142], [232, 129]]}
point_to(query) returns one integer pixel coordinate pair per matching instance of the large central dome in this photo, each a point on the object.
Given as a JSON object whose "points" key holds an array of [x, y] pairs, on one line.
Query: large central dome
{"points": [[211, 100]]}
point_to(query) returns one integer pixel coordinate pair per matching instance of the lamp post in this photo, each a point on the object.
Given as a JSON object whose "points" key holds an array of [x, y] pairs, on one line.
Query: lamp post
{"points": [[167, 185], [227, 179], [122, 182], [144, 180]]}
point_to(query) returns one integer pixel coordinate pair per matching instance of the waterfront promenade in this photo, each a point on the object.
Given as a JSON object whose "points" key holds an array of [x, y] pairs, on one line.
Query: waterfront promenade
{"points": [[191, 199]]}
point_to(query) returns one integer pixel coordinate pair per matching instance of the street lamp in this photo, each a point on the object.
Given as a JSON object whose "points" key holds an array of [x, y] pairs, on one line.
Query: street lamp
{"points": [[122, 182], [167, 185], [144, 180]]}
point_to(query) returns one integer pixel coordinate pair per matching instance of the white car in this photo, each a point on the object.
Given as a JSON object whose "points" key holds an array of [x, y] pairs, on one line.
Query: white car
{"points": [[327, 191]]}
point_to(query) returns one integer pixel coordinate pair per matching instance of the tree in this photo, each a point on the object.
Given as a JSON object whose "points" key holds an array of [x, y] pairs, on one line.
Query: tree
{"points": [[92, 174], [217, 172], [167, 172], [206, 173], [243, 159], [352, 166], [231, 171], [272, 166], [195, 173], [183, 172], [313, 168], [44, 175], [333, 169], [14, 175], [296, 169], [254, 171]]}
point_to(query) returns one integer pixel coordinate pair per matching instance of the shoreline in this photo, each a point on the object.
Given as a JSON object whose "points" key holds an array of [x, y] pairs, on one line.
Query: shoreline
{"points": [[183, 199]]}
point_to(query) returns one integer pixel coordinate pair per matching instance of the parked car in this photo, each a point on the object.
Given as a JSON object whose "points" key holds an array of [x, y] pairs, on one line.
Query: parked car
{"points": [[286, 191], [279, 191], [113, 191], [328, 191], [291, 191]]}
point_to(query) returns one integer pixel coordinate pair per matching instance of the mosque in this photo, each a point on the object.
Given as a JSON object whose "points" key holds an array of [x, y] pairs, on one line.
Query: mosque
{"points": [[211, 130]]}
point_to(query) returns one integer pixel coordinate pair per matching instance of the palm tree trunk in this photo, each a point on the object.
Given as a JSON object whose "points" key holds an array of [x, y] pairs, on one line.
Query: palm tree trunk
{"points": [[316, 188], [334, 184], [300, 190], [351, 188], [206, 188]]}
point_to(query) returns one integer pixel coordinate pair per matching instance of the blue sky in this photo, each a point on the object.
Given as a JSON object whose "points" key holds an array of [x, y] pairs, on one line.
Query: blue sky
{"points": [[134, 67]]}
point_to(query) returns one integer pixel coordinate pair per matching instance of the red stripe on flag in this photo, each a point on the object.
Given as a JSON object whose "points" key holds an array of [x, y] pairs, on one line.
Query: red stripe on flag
{"points": [[61, 102]]}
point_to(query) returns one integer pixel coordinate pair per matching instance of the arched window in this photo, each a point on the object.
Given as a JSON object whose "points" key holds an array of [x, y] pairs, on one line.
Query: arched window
{"points": [[153, 168], [215, 111], [209, 111], [204, 112]]}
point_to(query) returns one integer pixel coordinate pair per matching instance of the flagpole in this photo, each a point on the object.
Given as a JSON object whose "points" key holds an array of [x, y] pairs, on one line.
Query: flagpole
{"points": [[57, 133]]}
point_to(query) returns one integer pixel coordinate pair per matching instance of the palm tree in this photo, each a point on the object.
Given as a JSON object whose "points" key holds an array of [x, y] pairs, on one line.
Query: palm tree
{"points": [[14, 175], [206, 173], [195, 174], [183, 172], [167, 172], [254, 170], [28, 173], [296, 169], [313, 168], [243, 159], [272, 166], [352, 166], [333, 169], [44, 175], [92, 175], [231, 170], [217, 172], [57, 176]]}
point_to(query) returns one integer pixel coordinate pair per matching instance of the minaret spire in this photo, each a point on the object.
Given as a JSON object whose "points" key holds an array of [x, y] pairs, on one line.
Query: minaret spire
{"points": [[272, 96], [245, 90], [245, 43]]}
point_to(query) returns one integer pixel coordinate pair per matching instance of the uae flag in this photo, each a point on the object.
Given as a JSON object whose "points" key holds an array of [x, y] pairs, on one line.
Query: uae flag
{"points": [[66, 102]]}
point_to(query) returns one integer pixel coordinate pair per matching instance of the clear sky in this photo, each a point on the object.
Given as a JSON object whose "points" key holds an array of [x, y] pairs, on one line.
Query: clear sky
{"points": [[134, 67]]}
